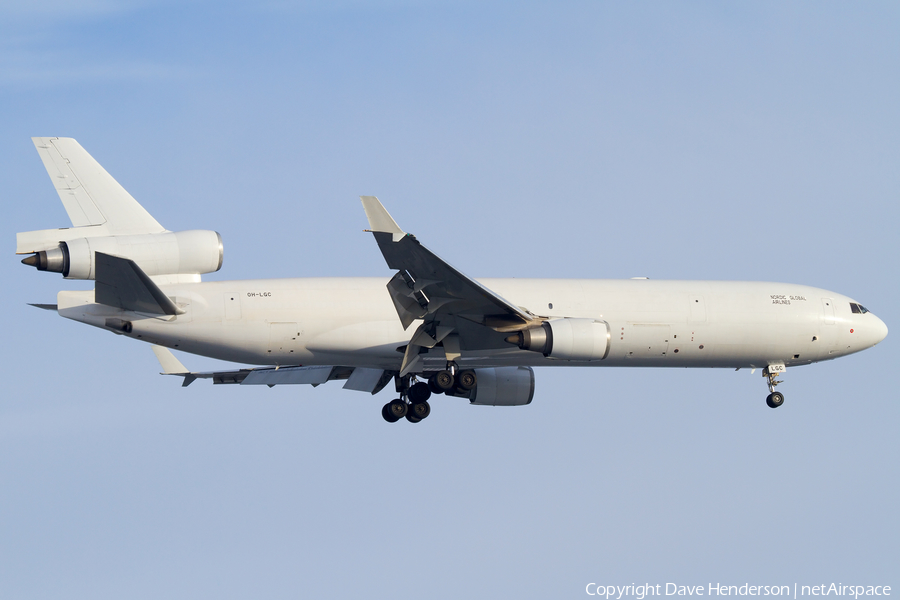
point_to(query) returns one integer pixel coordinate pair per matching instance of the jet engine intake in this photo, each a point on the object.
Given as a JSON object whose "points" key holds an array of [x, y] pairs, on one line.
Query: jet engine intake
{"points": [[566, 339], [170, 253], [503, 386]]}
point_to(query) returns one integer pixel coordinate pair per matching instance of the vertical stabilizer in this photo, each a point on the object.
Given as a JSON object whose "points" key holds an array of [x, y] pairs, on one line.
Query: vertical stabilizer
{"points": [[89, 194]]}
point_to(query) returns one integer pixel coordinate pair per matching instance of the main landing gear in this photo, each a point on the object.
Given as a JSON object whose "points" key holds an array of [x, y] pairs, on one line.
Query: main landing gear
{"points": [[452, 382], [413, 400], [412, 403], [774, 399]]}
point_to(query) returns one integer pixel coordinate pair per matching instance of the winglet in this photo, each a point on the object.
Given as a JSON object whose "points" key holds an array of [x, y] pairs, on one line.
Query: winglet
{"points": [[379, 219], [172, 366]]}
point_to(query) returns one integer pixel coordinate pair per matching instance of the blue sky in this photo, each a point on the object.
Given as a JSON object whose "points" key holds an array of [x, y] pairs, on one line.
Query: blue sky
{"points": [[586, 139]]}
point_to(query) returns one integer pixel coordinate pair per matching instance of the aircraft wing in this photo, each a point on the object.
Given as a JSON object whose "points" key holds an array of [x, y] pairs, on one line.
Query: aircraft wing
{"points": [[361, 379], [89, 194], [449, 302]]}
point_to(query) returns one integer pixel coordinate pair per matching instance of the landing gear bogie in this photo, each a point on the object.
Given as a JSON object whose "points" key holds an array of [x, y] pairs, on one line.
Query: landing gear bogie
{"points": [[412, 403], [395, 410]]}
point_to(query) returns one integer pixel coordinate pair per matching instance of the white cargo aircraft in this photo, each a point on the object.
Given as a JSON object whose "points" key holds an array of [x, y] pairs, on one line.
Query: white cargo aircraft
{"points": [[430, 329]]}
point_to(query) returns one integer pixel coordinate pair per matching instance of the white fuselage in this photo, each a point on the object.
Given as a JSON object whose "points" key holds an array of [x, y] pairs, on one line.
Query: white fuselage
{"points": [[352, 322]]}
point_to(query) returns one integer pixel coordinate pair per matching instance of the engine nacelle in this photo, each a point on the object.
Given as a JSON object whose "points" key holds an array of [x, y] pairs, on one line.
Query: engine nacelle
{"points": [[170, 253], [503, 386], [566, 339]]}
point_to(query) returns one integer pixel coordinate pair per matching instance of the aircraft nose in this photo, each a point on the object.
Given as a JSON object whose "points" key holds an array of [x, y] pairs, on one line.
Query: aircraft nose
{"points": [[880, 331]]}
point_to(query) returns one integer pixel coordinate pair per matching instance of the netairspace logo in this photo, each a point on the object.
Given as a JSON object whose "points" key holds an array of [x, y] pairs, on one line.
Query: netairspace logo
{"points": [[640, 592]]}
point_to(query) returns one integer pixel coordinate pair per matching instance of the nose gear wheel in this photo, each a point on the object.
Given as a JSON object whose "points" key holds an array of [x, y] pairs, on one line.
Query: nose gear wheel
{"points": [[774, 399]]}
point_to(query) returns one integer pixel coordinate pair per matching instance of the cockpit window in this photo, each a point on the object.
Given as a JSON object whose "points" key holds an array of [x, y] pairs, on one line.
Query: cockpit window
{"points": [[858, 308]]}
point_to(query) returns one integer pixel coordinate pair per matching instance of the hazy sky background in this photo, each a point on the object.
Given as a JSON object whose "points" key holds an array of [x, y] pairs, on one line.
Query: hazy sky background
{"points": [[690, 140]]}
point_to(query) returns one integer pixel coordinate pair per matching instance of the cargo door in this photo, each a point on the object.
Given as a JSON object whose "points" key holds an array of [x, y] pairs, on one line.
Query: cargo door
{"points": [[646, 340]]}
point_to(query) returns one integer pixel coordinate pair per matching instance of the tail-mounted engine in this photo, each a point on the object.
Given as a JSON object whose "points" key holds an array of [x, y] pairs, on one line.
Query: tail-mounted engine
{"points": [[170, 253], [566, 339]]}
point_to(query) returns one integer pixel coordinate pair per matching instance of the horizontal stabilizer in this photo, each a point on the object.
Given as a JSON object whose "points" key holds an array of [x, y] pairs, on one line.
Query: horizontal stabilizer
{"points": [[365, 379], [361, 379], [52, 307], [44, 239], [122, 284]]}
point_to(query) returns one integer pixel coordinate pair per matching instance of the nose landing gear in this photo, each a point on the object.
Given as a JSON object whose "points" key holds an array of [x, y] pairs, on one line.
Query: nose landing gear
{"points": [[774, 399]]}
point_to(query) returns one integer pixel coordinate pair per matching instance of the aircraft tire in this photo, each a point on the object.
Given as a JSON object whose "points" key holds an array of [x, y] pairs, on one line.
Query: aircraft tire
{"points": [[444, 380], [394, 410], [433, 386], [419, 392], [467, 380], [775, 399], [386, 415], [412, 418], [419, 410]]}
